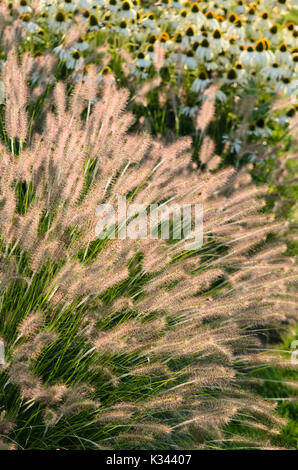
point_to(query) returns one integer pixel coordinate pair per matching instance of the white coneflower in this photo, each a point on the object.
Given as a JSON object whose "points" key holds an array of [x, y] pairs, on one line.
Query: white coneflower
{"points": [[28, 24], [240, 7], [189, 111], [150, 51], [287, 31], [231, 76], [252, 14], [286, 86], [122, 28], [74, 59], [142, 60], [175, 58], [263, 23], [201, 34], [283, 5], [180, 21], [94, 23], [224, 60], [273, 72], [82, 44], [294, 37], [273, 34], [234, 145], [283, 55], [286, 118], [189, 60], [126, 11], [24, 7], [221, 19], [150, 20], [176, 42], [260, 129], [59, 20], [165, 40], [295, 62], [203, 51], [263, 56], [221, 96], [70, 5], [233, 46], [211, 21], [195, 14], [85, 16], [211, 65], [140, 73], [113, 5], [201, 82], [61, 51], [229, 22], [218, 44], [188, 36], [247, 56], [237, 29], [140, 33], [240, 71]]}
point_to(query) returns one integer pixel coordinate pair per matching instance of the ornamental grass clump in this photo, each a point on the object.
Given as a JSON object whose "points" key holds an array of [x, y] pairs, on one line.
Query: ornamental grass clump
{"points": [[126, 342]]}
